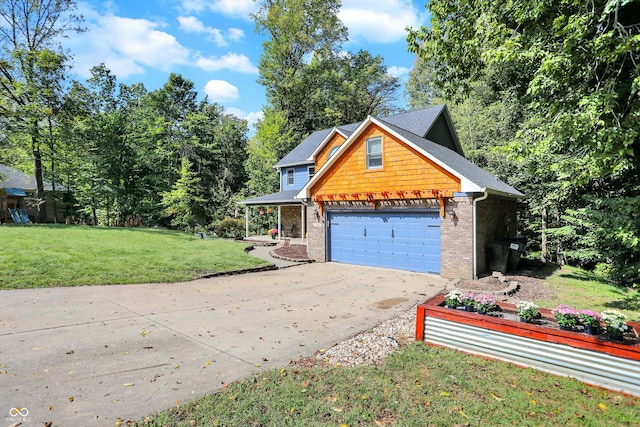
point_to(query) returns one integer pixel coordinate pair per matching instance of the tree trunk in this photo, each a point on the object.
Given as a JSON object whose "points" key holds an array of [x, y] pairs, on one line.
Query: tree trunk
{"points": [[543, 237], [37, 170]]}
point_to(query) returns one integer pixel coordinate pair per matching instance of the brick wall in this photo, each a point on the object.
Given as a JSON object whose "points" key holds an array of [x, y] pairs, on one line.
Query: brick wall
{"points": [[291, 215], [456, 239], [496, 220], [316, 236]]}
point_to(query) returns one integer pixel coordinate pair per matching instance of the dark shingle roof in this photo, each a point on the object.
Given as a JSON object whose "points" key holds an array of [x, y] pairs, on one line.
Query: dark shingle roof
{"points": [[280, 198], [418, 122], [455, 162], [300, 155], [10, 177]]}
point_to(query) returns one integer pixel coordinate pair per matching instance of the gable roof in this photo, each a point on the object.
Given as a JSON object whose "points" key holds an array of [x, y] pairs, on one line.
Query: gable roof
{"points": [[418, 122], [472, 177]]}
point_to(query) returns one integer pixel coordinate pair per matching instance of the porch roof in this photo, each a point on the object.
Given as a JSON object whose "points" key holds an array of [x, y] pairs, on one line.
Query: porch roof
{"points": [[275, 199]]}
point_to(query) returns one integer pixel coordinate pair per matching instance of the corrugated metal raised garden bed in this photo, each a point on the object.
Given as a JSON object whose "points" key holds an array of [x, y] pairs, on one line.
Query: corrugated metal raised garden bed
{"points": [[593, 359]]}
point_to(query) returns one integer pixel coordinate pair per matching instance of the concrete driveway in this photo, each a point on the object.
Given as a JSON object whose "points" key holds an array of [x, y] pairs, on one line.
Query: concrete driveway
{"points": [[85, 356]]}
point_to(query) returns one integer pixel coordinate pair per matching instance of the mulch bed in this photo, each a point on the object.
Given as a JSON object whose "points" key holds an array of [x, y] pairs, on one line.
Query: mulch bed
{"points": [[294, 252], [530, 275]]}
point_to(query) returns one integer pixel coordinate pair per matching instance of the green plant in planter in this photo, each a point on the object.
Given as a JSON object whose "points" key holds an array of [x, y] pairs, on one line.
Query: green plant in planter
{"points": [[527, 311], [485, 303], [566, 316], [590, 318], [615, 322], [453, 298], [469, 299]]}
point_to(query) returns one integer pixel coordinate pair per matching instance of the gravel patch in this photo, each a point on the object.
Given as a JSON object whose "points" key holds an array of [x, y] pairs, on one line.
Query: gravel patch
{"points": [[370, 347]]}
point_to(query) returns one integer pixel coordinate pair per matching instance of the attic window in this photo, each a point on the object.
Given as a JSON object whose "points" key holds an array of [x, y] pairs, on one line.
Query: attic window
{"points": [[333, 151], [374, 153]]}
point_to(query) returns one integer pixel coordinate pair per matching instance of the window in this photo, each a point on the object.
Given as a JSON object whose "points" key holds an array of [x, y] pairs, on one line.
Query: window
{"points": [[311, 171], [290, 174], [333, 151], [374, 153]]}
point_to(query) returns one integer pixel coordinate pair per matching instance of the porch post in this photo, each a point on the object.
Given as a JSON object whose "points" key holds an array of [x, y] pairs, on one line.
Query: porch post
{"points": [[303, 216], [246, 221], [280, 230]]}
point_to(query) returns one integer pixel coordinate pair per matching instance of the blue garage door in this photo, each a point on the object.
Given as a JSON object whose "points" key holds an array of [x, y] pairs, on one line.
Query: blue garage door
{"points": [[403, 241]]}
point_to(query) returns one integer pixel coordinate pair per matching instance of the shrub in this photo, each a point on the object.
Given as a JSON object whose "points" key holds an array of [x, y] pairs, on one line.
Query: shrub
{"points": [[230, 228]]}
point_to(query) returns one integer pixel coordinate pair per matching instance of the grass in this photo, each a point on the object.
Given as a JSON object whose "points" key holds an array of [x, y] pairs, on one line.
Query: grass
{"points": [[47, 255], [425, 386], [418, 386], [584, 290]]}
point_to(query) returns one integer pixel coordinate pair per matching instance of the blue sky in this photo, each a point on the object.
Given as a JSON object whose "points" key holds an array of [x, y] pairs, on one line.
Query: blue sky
{"points": [[213, 43]]}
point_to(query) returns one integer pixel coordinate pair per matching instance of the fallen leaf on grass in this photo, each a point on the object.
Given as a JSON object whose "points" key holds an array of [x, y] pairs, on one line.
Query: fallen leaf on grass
{"points": [[444, 393], [336, 409], [602, 407], [499, 399]]}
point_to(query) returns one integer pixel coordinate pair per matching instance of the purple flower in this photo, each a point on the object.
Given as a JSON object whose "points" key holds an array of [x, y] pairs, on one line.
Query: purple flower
{"points": [[590, 317], [566, 315]]}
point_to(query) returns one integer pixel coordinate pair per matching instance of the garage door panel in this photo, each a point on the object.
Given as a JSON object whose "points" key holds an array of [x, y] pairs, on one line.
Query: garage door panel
{"points": [[407, 241]]}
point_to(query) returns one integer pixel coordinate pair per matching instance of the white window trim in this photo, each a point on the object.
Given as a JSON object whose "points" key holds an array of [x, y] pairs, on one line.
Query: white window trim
{"points": [[309, 174], [367, 158], [291, 176]]}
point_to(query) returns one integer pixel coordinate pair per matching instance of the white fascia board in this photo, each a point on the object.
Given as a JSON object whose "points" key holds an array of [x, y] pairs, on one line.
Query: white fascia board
{"points": [[420, 150], [305, 192], [468, 186], [324, 142]]}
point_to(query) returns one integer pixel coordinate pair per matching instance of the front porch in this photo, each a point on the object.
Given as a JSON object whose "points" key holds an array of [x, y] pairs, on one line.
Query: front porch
{"points": [[291, 215]]}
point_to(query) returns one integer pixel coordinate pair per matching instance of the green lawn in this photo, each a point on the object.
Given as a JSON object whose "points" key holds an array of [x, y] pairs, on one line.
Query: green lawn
{"points": [[47, 255], [418, 386], [584, 290]]}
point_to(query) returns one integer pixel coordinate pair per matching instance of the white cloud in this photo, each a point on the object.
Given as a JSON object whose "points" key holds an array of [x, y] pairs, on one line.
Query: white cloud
{"points": [[220, 91], [192, 24], [236, 8], [230, 61], [138, 38], [125, 46], [252, 118], [397, 71], [383, 21], [235, 34]]}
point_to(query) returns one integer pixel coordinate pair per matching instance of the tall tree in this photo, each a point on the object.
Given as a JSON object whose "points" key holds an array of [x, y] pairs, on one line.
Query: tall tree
{"points": [[298, 30], [573, 67], [173, 103], [30, 32]]}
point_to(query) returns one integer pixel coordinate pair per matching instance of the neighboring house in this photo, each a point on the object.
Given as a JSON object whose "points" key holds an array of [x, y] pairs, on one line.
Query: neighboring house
{"points": [[393, 192], [17, 191]]}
